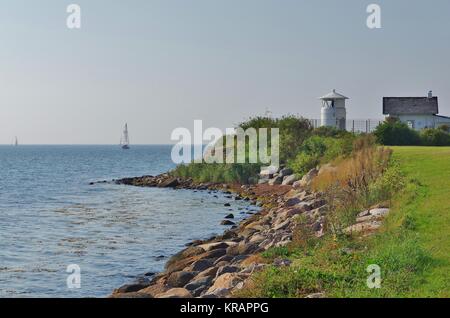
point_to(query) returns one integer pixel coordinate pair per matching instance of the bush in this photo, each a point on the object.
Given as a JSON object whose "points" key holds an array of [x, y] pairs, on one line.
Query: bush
{"points": [[293, 132], [223, 173], [318, 149], [435, 137], [444, 127], [396, 133]]}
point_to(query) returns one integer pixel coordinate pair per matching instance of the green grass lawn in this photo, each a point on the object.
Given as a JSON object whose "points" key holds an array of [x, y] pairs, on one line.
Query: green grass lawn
{"points": [[431, 213], [412, 248]]}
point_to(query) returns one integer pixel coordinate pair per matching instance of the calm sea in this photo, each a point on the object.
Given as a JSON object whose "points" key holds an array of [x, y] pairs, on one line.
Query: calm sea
{"points": [[50, 217]]}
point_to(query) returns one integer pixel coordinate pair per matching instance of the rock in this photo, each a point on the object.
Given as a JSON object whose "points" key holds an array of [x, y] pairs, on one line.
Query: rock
{"points": [[293, 201], [369, 226], [230, 216], [212, 246], [195, 284], [247, 232], [254, 267], [175, 293], [226, 281], [227, 269], [257, 238], [286, 172], [306, 180], [201, 265], [225, 258], [289, 180], [131, 295], [221, 263], [374, 214], [188, 252], [316, 295], [279, 262], [179, 279], [276, 180], [129, 288], [243, 248], [281, 225], [210, 272], [155, 289], [316, 227], [218, 293], [227, 222], [215, 253], [268, 171], [227, 204], [263, 181], [169, 183]]}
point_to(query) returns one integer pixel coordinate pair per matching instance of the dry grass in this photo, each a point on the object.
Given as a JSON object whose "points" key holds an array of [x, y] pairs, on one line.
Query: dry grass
{"points": [[347, 184]]}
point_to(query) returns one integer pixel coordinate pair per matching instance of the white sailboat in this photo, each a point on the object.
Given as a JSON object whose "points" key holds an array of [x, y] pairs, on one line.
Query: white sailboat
{"points": [[124, 140]]}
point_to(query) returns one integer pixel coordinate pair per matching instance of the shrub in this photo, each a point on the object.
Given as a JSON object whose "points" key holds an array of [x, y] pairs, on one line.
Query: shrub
{"points": [[327, 131], [293, 132], [444, 127], [396, 133], [318, 149], [348, 187], [435, 137], [223, 173]]}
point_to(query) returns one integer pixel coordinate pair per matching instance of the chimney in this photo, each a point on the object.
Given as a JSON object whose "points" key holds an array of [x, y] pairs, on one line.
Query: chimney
{"points": [[430, 94]]}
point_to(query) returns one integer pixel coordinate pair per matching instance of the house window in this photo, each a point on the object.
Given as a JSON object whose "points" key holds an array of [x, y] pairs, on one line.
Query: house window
{"points": [[410, 123]]}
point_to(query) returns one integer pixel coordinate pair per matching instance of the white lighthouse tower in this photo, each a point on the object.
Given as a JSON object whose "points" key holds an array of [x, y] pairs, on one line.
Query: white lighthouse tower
{"points": [[333, 113]]}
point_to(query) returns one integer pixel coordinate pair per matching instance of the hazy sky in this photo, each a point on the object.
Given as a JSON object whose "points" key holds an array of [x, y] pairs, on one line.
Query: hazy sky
{"points": [[159, 65]]}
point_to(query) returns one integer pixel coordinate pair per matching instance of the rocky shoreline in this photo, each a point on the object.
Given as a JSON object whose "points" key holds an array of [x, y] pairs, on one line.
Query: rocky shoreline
{"points": [[220, 266]]}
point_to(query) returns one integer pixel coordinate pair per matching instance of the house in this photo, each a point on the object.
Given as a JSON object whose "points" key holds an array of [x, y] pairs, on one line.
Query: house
{"points": [[417, 112]]}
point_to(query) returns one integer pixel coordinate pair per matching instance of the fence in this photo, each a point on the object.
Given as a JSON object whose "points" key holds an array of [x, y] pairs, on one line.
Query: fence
{"points": [[353, 125]]}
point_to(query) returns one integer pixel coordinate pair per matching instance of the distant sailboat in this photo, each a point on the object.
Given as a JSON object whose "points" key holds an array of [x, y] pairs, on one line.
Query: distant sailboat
{"points": [[125, 141], [16, 142]]}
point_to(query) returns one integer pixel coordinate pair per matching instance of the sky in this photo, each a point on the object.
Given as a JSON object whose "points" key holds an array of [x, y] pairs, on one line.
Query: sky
{"points": [[161, 64]]}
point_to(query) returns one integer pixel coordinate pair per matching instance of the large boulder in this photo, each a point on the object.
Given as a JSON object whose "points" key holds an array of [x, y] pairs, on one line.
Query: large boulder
{"points": [[155, 289], [227, 269], [175, 293], [289, 180], [181, 263], [371, 215], [292, 202], [169, 183], [286, 172], [226, 281], [276, 180], [199, 282], [267, 172], [306, 180], [129, 288], [201, 265], [186, 253], [179, 279], [243, 248], [227, 222], [210, 272], [131, 295], [215, 245]]}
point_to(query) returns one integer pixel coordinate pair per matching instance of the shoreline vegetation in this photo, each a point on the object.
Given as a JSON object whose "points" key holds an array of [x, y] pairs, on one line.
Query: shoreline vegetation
{"points": [[339, 204]]}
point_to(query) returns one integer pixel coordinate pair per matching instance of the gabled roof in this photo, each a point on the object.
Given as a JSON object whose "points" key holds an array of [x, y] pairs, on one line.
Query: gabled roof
{"points": [[333, 95], [410, 105]]}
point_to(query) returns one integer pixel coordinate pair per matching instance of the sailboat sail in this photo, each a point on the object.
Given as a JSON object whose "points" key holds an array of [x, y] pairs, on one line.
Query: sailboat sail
{"points": [[125, 141], [16, 142]]}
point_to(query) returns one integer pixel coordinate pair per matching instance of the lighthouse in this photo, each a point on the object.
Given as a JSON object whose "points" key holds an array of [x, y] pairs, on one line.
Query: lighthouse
{"points": [[333, 113]]}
